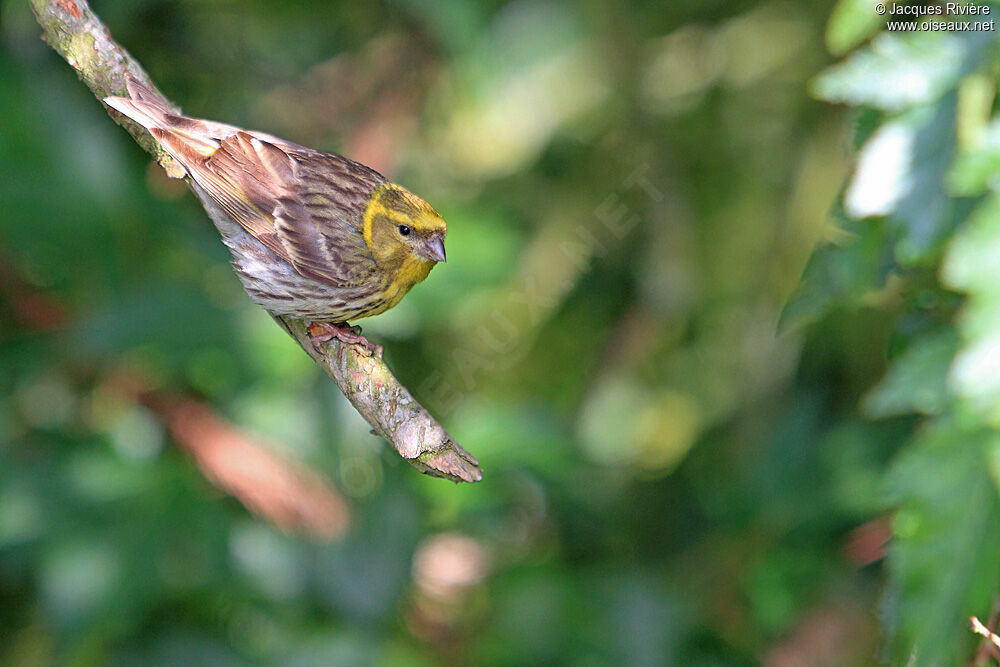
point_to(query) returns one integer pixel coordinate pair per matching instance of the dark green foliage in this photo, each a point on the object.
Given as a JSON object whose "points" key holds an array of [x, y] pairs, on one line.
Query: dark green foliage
{"points": [[633, 191], [932, 144]]}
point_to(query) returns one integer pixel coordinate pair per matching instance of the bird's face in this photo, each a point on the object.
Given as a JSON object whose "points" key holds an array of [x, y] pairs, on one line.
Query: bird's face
{"points": [[402, 229]]}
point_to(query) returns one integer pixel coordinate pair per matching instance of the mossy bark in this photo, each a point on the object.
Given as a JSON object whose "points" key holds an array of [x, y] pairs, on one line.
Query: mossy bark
{"points": [[389, 407]]}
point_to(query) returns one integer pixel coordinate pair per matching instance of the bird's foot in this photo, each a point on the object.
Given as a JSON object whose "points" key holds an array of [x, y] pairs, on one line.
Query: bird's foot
{"points": [[320, 332]]}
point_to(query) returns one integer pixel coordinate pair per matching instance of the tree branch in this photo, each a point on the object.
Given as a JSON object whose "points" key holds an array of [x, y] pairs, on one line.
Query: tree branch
{"points": [[73, 30]]}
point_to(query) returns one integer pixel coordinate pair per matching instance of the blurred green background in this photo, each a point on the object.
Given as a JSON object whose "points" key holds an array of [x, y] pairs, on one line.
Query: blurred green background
{"points": [[633, 190]]}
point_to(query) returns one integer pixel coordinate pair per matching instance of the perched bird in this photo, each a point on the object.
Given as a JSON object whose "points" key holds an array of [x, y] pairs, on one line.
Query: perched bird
{"points": [[313, 235]]}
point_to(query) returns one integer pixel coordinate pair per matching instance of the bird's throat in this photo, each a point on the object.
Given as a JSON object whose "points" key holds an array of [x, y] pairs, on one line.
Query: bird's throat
{"points": [[412, 270]]}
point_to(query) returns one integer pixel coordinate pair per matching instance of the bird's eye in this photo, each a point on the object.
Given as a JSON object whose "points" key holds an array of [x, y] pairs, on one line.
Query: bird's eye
{"points": [[404, 230]]}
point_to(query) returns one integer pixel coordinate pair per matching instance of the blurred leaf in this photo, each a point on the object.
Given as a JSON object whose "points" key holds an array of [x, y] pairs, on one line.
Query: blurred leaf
{"points": [[899, 175], [978, 168], [976, 94], [945, 559], [851, 22], [776, 583], [903, 69], [972, 262], [917, 380], [839, 274], [855, 454]]}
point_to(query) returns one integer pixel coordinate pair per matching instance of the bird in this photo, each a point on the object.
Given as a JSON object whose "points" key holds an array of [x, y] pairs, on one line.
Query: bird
{"points": [[313, 235]]}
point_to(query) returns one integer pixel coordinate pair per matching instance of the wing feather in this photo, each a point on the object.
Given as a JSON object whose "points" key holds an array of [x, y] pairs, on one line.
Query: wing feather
{"points": [[266, 189], [305, 205]]}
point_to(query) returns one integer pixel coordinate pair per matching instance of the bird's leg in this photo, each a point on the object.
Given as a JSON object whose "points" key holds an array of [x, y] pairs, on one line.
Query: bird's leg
{"points": [[321, 332]]}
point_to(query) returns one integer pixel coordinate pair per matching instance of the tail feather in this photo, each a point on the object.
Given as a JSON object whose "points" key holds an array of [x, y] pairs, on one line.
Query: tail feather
{"points": [[147, 115], [143, 105], [139, 91], [188, 140], [181, 136]]}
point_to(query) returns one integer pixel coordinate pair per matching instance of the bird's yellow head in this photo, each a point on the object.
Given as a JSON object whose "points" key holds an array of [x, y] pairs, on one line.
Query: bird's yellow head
{"points": [[404, 233]]}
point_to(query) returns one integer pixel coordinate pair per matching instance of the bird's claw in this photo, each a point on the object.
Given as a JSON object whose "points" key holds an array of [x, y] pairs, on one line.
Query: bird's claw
{"points": [[320, 332]]}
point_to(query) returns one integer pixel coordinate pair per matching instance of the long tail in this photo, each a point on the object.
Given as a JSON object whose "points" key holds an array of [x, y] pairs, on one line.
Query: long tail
{"points": [[184, 138], [142, 105]]}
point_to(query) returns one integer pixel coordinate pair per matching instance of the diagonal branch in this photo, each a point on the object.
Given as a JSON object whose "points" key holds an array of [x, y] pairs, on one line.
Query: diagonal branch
{"points": [[73, 30]]}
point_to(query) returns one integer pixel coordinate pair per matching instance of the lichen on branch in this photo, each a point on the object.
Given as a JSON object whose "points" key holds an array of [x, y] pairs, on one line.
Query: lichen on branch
{"points": [[73, 30]]}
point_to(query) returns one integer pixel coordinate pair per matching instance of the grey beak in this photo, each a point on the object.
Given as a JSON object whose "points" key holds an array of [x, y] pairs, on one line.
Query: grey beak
{"points": [[434, 249]]}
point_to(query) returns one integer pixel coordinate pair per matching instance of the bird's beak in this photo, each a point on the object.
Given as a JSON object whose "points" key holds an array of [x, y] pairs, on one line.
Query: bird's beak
{"points": [[434, 249]]}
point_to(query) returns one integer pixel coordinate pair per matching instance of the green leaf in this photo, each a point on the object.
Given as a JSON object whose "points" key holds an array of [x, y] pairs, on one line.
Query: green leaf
{"points": [[851, 22], [978, 168], [901, 70], [972, 261], [972, 264], [916, 381], [839, 274], [900, 174], [945, 558]]}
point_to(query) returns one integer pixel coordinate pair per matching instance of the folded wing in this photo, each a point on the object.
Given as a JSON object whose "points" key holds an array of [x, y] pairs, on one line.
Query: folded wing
{"points": [[303, 205]]}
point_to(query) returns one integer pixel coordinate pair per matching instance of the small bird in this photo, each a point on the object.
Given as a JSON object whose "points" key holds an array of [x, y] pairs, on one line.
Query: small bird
{"points": [[314, 236]]}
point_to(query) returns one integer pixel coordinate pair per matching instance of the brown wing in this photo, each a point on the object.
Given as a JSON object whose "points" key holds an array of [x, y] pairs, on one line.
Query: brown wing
{"points": [[304, 205]]}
